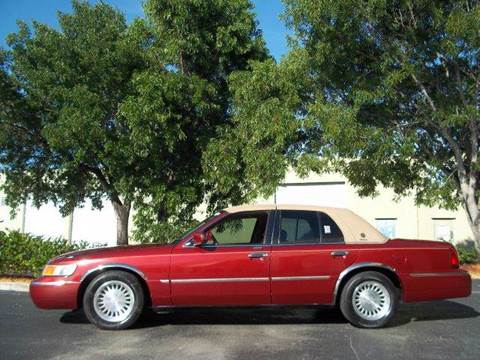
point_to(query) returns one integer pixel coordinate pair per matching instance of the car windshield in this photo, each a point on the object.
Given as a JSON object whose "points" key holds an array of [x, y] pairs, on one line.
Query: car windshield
{"points": [[193, 229]]}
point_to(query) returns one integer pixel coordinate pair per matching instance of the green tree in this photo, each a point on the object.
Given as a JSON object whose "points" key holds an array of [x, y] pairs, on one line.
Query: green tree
{"points": [[98, 110], [386, 92], [180, 100], [61, 136]]}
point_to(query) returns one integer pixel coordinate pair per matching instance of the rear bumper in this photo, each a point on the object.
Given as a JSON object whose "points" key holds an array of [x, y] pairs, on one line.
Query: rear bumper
{"points": [[436, 285], [54, 293]]}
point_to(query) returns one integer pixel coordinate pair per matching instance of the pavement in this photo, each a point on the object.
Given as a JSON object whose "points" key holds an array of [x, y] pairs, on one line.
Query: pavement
{"points": [[432, 330]]}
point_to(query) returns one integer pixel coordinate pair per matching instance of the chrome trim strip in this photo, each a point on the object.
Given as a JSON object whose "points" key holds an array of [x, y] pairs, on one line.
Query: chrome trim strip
{"points": [[433, 274], [319, 244], [290, 278], [188, 281], [164, 281], [53, 283], [277, 278], [110, 266], [355, 267]]}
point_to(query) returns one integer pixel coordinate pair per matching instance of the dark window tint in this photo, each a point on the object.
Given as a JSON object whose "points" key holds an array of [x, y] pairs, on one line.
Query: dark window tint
{"points": [[299, 227], [331, 233], [240, 229]]}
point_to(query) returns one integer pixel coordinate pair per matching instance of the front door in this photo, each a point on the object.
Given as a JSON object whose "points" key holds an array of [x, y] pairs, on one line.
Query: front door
{"points": [[308, 254], [231, 269]]}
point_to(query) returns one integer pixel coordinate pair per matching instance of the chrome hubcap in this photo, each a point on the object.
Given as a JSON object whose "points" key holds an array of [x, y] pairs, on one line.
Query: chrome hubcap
{"points": [[113, 301], [371, 300]]}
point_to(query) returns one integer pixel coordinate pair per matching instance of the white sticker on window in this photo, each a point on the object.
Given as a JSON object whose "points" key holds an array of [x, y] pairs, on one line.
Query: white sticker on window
{"points": [[326, 229]]}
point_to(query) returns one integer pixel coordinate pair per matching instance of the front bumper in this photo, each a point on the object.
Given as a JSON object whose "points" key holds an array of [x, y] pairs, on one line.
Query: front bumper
{"points": [[49, 292]]}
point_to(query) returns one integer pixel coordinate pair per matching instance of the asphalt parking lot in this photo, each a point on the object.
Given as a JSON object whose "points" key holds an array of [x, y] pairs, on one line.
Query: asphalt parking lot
{"points": [[435, 330]]}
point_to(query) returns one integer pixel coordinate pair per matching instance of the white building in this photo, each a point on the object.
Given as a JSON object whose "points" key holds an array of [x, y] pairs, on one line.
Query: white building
{"points": [[401, 218]]}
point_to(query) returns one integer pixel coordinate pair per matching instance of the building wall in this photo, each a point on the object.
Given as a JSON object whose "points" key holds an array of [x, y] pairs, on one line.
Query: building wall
{"points": [[397, 218], [409, 221]]}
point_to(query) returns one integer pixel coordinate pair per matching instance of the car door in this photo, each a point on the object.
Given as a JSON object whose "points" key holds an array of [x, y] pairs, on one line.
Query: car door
{"points": [[308, 254], [231, 269]]}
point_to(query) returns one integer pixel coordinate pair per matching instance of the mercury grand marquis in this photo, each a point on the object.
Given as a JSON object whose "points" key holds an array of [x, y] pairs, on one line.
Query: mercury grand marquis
{"points": [[257, 255]]}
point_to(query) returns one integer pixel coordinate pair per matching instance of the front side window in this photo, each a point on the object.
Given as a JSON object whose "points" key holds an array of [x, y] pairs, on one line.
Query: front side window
{"points": [[240, 229], [299, 227]]}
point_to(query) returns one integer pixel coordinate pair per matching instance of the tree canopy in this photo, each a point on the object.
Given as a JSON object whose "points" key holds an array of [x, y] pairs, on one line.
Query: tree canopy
{"points": [[62, 138], [185, 106], [102, 110], [387, 92], [181, 98]]}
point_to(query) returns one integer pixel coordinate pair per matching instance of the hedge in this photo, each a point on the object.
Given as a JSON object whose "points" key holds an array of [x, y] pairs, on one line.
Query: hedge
{"points": [[467, 254], [26, 255]]}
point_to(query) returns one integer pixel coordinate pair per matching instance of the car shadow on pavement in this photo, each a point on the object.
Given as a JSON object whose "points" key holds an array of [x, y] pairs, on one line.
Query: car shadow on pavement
{"points": [[281, 315], [432, 310]]}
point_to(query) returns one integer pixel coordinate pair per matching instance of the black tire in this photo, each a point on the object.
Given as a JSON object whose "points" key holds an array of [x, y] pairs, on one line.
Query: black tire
{"points": [[353, 313], [120, 278]]}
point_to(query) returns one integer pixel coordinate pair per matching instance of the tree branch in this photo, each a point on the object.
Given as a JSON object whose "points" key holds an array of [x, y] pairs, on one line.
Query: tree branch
{"points": [[109, 189], [445, 132], [30, 133], [425, 93]]}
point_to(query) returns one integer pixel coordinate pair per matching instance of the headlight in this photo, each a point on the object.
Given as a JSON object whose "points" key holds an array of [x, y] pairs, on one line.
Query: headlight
{"points": [[59, 270]]}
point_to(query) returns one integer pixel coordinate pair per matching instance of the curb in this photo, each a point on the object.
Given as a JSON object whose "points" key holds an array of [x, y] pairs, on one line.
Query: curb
{"points": [[14, 286]]}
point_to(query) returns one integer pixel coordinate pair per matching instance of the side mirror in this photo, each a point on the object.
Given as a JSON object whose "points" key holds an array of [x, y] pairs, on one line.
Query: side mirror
{"points": [[198, 238]]}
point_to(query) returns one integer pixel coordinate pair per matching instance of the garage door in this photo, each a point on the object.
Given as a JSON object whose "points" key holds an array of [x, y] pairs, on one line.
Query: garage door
{"points": [[319, 194]]}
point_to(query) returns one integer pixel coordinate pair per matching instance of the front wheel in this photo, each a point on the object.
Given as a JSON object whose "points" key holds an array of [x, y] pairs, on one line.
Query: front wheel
{"points": [[113, 300], [369, 300]]}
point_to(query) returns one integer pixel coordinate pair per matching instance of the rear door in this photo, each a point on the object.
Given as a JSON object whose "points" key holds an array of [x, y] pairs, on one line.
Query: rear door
{"points": [[308, 254], [232, 269]]}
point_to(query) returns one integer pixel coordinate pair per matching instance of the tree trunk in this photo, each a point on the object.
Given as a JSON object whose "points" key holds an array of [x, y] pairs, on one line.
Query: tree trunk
{"points": [[475, 227], [476, 236], [472, 212], [123, 212]]}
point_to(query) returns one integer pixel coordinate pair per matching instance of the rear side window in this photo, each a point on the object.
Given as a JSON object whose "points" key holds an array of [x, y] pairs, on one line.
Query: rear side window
{"points": [[331, 233], [299, 227]]}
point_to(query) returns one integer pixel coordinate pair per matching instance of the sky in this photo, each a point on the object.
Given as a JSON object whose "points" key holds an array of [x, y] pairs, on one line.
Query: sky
{"points": [[267, 12]]}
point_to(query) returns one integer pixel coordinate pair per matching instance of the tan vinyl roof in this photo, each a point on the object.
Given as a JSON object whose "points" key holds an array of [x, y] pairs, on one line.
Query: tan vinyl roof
{"points": [[355, 229]]}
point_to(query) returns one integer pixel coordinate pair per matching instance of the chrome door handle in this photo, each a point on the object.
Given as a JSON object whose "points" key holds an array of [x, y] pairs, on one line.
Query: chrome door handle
{"points": [[257, 255], [339, 253]]}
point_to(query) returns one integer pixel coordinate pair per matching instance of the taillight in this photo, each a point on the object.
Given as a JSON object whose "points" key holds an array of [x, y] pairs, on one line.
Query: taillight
{"points": [[454, 258]]}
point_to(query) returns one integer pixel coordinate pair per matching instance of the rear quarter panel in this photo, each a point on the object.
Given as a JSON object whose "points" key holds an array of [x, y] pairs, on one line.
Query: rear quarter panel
{"points": [[423, 266]]}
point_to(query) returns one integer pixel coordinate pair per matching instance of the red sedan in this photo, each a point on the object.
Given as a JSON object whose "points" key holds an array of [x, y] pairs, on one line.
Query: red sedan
{"points": [[257, 255]]}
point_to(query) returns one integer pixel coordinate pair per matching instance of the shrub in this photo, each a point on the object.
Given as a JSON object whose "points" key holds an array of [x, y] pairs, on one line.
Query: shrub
{"points": [[26, 255], [467, 254]]}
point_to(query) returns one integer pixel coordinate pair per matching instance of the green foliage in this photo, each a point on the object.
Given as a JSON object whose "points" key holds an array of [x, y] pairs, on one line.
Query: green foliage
{"points": [[61, 136], [26, 255], [162, 231], [181, 100], [467, 254], [384, 91], [108, 112], [393, 86], [248, 159]]}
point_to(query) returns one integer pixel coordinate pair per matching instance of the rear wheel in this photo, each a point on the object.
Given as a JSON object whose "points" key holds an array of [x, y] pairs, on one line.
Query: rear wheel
{"points": [[369, 299], [113, 300]]}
